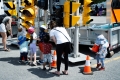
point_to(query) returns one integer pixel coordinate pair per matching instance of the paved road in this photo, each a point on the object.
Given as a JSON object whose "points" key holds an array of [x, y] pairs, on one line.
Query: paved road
{"points": [[10, 69]]}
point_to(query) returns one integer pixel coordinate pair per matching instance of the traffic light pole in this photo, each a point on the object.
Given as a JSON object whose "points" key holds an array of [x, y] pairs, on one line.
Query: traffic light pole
{"points": [[76, 42], [19, 14]]}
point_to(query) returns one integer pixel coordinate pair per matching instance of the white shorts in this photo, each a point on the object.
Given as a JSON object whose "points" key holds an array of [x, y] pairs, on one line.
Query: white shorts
{"points": [[2, 28], [47, 57]]}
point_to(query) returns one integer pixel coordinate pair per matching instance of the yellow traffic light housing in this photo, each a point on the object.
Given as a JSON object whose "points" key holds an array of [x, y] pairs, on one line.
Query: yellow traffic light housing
{"points": [[69, 8], [24, 25], [28, 12], [86, 12], [29, 2], [12, 8], [28, 15]]}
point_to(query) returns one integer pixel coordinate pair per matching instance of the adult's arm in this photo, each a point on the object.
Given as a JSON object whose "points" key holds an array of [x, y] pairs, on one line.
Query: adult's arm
{"points": [[54, 39]]}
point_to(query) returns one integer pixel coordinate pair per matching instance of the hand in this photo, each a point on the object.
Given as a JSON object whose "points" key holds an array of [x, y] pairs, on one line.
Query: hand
{"points": [[38, 39]]}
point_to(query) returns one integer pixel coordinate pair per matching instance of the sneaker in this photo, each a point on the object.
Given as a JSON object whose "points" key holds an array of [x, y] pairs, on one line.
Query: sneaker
{"points": [[50, 68], [98, 65], [20, 61], [40, 62], [34, 64], [101, 69], [44, 68], [26, 62]]}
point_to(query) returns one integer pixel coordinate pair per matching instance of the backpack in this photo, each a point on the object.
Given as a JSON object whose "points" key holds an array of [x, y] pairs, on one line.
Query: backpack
{"points": [[2, 17]]}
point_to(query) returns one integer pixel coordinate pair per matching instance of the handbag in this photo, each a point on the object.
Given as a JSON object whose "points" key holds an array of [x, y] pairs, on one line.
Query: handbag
{"points": [[70, 45]]}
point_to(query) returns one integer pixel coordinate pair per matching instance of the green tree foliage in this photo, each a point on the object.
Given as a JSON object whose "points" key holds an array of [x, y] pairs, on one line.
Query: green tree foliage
{"points": [[98, 1], [95, 1]]}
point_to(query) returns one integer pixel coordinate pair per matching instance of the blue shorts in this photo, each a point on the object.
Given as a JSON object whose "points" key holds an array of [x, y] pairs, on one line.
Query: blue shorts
{"points": [[47, 58]]}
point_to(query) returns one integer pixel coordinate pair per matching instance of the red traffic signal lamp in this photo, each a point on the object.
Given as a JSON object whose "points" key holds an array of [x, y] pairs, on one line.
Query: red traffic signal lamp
{"points": [[86, 12], [69, 8]]}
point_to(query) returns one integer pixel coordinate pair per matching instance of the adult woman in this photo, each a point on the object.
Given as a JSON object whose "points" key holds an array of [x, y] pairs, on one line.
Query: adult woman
{"points": [[6, 24], [60, 36]]}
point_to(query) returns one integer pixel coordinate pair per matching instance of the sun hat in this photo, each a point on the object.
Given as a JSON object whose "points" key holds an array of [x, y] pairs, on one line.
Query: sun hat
{"points": [[43, 26]]}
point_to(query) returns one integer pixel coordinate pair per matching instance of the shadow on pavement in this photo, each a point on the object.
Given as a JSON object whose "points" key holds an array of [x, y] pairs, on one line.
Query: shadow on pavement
{"points": [[13, 47], [85, 50], [76, 64], [41, 73], [11, 60]]}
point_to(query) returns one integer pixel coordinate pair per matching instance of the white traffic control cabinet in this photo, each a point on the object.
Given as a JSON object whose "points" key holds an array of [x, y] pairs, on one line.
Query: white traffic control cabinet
{"points": [[88, 35]]}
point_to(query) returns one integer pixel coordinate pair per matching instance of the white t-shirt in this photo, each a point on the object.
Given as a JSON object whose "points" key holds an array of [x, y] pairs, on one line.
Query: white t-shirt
{"points": [[2, 27], [34, 37], [59, 36]]}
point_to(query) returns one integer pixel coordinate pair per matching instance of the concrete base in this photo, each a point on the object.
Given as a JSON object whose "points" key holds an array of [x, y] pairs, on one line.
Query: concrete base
{"points": [[77, 58]]}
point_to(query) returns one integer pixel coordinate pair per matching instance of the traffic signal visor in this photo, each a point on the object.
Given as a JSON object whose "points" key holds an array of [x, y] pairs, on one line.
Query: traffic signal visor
{"points": [[88, 3], [74, 7], [29, 2], [73, 21], [24, 25], [10, 5], [11, 12], [28, 11]]}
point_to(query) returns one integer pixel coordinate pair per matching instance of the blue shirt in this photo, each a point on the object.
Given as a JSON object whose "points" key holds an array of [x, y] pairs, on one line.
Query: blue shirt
{"points": [[24, 46]]}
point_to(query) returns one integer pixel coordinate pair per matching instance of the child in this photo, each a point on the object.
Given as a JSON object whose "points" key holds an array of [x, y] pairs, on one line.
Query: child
{"points": [[43, 32], [23, 45], [33, 48], [47, 46], [101, 54]]}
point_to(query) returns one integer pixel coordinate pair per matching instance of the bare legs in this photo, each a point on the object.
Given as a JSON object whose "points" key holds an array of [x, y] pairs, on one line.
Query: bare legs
{"points": [[34, 56], [4, 38]]}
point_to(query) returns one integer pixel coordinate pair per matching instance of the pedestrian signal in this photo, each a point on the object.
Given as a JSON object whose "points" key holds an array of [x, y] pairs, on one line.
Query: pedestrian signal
{"points": [[69, 8]]}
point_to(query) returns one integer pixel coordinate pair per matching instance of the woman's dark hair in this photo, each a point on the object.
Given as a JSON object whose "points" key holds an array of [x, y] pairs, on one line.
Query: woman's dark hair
{"points": [[55, 24], [52, 24], [46, 38]]}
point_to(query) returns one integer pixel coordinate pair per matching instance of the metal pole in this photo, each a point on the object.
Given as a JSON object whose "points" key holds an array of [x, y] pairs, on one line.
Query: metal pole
{"points": [[38, 17], [76, 39], [50, 6], [19, 14], [76, 42]]}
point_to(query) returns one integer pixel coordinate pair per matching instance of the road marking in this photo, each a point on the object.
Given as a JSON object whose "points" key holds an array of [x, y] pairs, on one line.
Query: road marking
{"points": [[107, 61]]}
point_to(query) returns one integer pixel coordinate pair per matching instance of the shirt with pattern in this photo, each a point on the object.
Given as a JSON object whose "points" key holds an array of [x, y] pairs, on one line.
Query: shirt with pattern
{"points": [[47, 48], [42, 34]]}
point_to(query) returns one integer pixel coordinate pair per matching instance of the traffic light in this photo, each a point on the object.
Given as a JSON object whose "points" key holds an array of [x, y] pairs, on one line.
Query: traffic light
{"points": [[43, 4], [28, 15], [12, 8], [58, 14], [69, 8], [86, 12]]}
